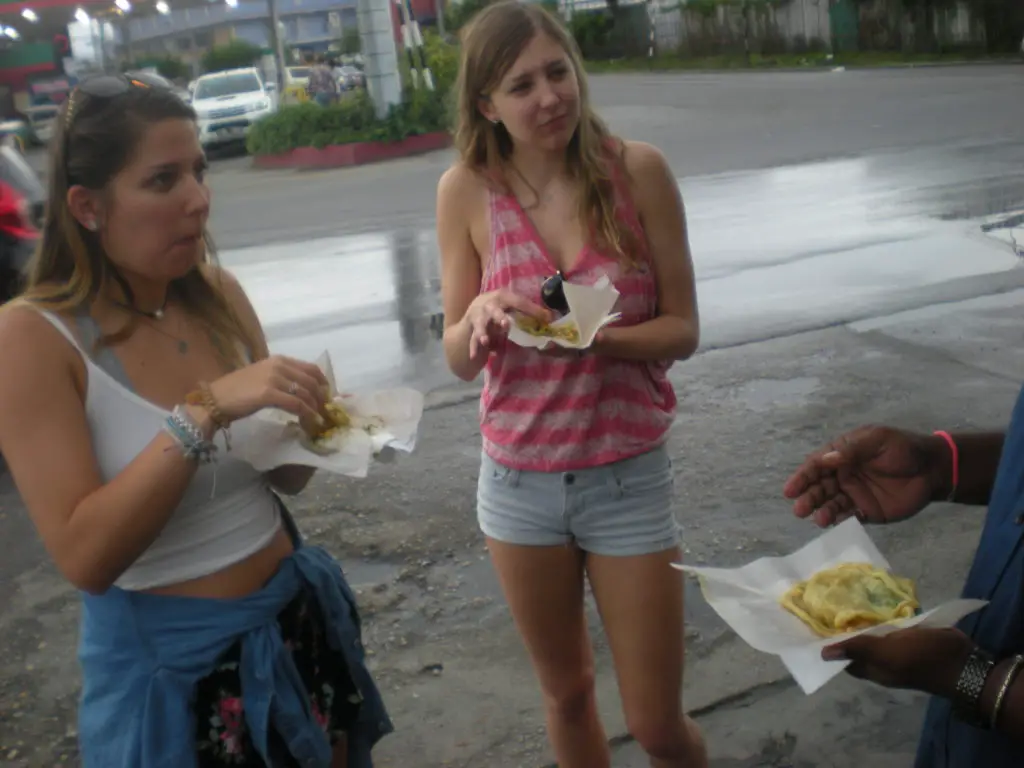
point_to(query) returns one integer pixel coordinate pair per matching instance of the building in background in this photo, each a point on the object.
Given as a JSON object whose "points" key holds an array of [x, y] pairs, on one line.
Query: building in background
{"points": [[306, 25]]}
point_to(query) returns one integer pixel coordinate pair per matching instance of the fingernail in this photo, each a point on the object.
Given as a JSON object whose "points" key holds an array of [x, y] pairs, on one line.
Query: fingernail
{"points": [[833, 653], [832, 455], [320, 420]]}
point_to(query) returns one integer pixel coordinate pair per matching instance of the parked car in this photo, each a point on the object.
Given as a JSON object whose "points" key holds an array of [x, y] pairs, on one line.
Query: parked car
{"points": [[350, 78], [16, 130], [295, 81], [229, 103], [42, 120]]}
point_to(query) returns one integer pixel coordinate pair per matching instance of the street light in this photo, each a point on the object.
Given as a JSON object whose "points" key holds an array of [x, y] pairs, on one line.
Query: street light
{"points": [[124, 5], [162, 7], [29, 15], [11, 32], [232, 3]]}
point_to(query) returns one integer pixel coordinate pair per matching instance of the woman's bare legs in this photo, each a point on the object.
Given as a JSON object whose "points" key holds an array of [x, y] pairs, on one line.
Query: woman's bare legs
{"points": [[544, 590], [641, 604]]}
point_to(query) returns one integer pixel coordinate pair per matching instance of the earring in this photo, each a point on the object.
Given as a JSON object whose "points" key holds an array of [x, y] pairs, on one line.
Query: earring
{"points": [[496, 121], [91, 226]]}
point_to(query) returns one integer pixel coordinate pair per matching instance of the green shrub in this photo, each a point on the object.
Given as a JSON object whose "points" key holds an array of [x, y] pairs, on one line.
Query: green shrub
{"points": [[233, 55], [350, 120], [442, 58]]}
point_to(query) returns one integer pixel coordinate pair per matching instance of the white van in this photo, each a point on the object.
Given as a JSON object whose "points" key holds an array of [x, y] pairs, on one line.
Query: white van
{"points": [[228, 103]]}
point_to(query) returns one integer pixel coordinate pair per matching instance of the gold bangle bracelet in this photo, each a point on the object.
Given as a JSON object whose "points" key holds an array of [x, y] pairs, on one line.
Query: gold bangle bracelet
{"points": [[1011, 675]]}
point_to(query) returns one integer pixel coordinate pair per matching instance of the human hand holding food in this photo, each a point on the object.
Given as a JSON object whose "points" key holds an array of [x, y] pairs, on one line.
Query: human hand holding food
{"points": [[280, 382], [917, 658], [489, 319], [878, 474]]}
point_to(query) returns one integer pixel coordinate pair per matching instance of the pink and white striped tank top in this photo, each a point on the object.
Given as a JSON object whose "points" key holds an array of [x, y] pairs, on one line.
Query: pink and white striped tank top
{"points": [[550, 412]]}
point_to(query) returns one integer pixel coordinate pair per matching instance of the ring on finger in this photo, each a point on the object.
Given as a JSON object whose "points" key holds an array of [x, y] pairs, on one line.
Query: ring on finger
{"points": [[293, 388]]}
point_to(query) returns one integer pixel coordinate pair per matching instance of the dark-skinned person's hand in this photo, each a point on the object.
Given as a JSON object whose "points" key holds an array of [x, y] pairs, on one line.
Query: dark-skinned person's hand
{"points": [[920, 659], [878, 474]]}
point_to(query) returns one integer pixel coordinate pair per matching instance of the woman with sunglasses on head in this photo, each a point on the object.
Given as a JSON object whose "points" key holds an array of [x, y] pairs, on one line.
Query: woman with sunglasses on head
{"points": [[210, 636], [575, 479]]}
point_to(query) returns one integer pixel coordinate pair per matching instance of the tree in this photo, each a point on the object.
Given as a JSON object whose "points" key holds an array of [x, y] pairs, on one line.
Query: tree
{"points": [[442, 58], [457, 15], [350, 42], [233, 55], [167, 66]]}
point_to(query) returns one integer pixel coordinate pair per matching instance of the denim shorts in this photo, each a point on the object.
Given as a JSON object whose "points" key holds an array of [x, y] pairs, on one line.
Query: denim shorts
{"points": [[619, 509]]}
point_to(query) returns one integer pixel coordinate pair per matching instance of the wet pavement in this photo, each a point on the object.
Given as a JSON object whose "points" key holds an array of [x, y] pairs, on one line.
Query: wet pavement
{"points": [[776, 251]]}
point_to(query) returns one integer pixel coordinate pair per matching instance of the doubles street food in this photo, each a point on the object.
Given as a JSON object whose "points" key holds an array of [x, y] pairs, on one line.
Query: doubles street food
{"points": [[336, 419], [851, 597], [568, 332]]}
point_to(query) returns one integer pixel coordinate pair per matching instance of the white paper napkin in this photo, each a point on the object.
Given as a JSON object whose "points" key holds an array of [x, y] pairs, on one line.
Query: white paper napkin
{"points": [[382, 422], [590, 309], [747, 599]]}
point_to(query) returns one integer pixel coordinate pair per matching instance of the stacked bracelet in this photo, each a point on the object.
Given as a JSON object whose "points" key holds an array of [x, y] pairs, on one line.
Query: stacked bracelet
{"points": [[189, 437], [1011, 675]]}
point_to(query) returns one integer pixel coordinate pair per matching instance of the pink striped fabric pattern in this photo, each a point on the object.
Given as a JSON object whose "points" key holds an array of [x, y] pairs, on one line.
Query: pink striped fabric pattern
{"points": [[559, 411]]}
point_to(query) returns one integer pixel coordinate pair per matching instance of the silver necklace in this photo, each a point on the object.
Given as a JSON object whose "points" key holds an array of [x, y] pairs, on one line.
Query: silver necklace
{"points": [[155, 316]]}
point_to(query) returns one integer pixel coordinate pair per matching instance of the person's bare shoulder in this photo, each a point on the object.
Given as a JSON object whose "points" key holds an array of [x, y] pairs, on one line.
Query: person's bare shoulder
{"points": [[226, 282], [644, 161], [31, 343], [461, 185]]}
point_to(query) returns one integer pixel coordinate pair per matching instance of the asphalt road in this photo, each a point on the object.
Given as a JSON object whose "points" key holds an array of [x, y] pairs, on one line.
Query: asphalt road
{"points": [[705, 124], [813, 198]]}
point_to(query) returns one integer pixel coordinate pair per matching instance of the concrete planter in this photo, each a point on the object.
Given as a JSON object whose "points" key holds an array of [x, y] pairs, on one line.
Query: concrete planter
{"points": [[357, 153]]}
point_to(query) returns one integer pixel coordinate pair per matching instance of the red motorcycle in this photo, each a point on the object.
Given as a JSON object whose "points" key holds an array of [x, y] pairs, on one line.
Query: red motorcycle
{"points": [[22, 203]]}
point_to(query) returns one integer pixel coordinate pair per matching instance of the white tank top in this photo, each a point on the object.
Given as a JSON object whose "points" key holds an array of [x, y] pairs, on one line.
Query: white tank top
{"points": [[228, 511]]}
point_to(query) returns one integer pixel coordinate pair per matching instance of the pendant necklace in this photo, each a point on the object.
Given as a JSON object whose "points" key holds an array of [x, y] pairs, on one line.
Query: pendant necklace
{"points": [[156, 316]]}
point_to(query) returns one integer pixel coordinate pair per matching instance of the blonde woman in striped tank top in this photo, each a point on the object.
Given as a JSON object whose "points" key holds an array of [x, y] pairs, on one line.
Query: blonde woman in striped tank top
{"points": [[575, 478]]}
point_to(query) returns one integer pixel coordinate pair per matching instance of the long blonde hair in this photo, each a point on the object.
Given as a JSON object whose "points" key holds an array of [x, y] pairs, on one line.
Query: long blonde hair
{"points": [[491, 43], [95, 140]]}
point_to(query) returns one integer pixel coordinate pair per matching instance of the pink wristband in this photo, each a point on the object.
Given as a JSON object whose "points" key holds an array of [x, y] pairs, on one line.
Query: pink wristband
{"points": [[955, 452]]}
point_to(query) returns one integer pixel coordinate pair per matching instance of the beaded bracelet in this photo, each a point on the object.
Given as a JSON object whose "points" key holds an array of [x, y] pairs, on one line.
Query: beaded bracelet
{"points": [[205, 398], [189, 437]]}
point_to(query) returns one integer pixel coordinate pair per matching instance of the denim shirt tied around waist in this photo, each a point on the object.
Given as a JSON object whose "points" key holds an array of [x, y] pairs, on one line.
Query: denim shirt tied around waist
{"points": [[142, 656]]}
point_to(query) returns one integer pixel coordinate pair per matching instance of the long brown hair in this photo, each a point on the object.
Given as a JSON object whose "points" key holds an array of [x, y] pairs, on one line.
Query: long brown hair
{"points": [[96, 138], [491, 43]]}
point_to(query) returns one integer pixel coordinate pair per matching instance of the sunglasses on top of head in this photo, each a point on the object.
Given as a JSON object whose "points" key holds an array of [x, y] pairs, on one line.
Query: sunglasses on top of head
{"points": [[109, 86]]}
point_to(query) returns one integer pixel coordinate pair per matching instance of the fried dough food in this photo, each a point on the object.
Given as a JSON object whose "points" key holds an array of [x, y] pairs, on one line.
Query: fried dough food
{"points": [[850, 597], [336, 419], [536, 327]]}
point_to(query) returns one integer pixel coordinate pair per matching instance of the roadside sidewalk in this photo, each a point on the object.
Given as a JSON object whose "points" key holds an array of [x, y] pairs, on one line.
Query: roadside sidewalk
{"points": [[454, 674]]}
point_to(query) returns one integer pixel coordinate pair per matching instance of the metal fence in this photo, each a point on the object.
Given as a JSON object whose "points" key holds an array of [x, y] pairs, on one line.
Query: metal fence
{"points": [[706, 27]]}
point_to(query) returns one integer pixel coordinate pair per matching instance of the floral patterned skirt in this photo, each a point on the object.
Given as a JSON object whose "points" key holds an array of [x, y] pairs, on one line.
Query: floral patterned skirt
{"points": [[222, 737]]}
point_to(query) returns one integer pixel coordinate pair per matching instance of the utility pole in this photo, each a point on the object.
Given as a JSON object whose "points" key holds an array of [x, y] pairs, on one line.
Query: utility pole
{"points": [[377, 43], [439, 6], [103, 44], [408, 42], [276, 44]]}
